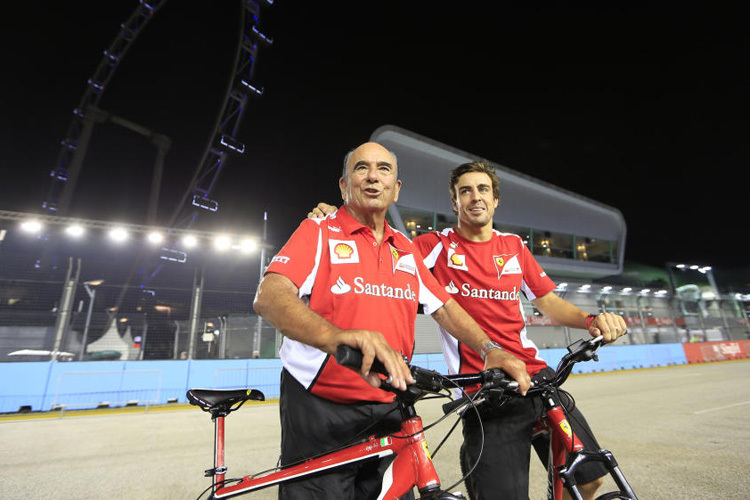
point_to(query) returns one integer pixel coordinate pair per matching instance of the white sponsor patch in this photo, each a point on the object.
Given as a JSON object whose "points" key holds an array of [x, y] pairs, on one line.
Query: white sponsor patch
{"points": [[511, 266], [456, 260], [343, 251]]}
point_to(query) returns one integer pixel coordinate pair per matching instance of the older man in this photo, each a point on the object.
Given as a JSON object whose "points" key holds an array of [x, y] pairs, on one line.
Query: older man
{"points": [[350, 279]]}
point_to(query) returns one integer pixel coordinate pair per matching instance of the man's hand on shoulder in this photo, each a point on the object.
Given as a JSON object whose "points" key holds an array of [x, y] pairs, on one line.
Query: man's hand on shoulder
{"points": [[321, 210]]}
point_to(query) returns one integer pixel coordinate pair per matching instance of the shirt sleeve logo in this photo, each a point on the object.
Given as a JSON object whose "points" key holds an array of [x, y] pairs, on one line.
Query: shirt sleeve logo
{"points": [[280, 259], [343, 252]]}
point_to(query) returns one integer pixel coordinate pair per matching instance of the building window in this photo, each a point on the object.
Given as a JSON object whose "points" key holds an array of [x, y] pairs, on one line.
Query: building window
{"points": [[540, 242]]}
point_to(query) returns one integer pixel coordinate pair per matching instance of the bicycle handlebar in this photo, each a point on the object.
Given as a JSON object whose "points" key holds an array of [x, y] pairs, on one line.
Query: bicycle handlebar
{"points": [[427, 380], [494, 379], [581, 350]]}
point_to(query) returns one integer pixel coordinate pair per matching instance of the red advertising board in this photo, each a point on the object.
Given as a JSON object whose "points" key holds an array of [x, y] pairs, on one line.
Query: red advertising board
{"points": [[701, 352]]}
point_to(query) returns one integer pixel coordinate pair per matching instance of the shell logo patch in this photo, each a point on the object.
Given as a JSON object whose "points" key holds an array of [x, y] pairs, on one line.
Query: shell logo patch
{"points": [[343, 251], [456, 260]]}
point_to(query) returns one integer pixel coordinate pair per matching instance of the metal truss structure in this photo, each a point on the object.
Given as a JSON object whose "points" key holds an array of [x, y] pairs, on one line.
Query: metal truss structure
{"points": [[222, 141]]}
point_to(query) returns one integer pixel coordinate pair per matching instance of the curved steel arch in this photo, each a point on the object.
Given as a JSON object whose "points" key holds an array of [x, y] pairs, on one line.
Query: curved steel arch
{"points": [[223, 139]]}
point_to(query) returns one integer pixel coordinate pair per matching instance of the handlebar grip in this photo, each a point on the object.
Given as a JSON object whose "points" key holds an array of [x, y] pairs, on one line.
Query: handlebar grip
{"points": [[493, 380], [352, 358], [456, 403]]}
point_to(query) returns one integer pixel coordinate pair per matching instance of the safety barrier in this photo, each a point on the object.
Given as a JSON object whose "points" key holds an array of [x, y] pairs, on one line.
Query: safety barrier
{"points": [[43, 386]]}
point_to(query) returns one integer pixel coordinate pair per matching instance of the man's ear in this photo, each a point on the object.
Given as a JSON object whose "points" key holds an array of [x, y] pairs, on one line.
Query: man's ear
{"points": [[342, 187]]}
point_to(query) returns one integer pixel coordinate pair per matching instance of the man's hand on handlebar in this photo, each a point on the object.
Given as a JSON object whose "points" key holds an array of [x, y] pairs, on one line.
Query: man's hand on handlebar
{"points": [[321, 210], [511, 365], [373, 345], [609, 326]]}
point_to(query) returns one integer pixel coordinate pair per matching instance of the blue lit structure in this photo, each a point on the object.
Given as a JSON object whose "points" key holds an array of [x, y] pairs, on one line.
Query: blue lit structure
{"points": [[223, 139]]}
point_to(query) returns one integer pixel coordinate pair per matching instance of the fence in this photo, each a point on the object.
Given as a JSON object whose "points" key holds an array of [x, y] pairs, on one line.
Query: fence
{"points": [[92, 300], [107, 388]]}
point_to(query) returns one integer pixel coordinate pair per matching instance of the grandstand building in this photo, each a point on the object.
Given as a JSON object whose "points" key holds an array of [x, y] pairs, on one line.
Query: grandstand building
{"points": [[570, 235]]}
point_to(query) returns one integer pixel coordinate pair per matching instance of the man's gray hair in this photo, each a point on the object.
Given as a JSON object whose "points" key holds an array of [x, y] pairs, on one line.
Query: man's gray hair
{"points": [[345, 174]]}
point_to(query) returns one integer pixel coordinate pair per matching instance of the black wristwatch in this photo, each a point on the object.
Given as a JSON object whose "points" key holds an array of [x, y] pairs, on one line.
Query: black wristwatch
{"points": [[487, 347]]}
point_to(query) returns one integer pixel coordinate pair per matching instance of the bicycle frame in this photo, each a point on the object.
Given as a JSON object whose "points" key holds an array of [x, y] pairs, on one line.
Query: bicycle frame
{"points": [[412, 465], [413, 468]]}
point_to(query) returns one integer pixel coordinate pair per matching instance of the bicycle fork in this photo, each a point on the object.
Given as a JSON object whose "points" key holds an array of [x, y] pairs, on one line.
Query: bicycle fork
{"points": [[567, 453]]}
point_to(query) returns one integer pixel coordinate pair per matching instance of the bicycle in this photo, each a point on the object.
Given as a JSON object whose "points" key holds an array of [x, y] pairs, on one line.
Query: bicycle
{"points": [[412, 466], [566, 452]]}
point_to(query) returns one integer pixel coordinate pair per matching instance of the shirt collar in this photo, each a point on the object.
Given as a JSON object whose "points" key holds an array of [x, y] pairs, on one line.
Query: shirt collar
{"points": [[350, 225]]}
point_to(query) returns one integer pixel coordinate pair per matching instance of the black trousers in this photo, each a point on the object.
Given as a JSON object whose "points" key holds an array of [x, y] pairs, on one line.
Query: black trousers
{"points": [[503, 470], [311, 426]]}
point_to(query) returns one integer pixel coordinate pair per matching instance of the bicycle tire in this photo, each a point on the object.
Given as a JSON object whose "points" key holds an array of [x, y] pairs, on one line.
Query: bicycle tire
{"points": [[613, 495]]}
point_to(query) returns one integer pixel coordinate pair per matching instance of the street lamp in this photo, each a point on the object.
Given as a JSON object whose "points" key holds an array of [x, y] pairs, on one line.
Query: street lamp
{"points": [[90, 287]]}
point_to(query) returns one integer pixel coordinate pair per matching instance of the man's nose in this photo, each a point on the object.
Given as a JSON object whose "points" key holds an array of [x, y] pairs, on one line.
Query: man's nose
{"points": [[372, 173]]}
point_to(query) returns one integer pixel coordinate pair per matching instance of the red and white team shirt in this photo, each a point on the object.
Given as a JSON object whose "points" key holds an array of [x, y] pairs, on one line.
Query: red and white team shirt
{"points": [[486, 279], [354, 283]]}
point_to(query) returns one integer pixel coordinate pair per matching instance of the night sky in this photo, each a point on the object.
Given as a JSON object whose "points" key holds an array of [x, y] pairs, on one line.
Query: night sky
{"points": [[641, 107]]}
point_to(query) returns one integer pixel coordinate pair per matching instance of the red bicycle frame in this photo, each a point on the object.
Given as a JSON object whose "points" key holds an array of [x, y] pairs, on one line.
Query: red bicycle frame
{"points": [[412, 466]]}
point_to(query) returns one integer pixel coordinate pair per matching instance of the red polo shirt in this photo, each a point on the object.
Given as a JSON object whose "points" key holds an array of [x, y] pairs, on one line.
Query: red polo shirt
{"points": [[354, 283], [486, 278]]}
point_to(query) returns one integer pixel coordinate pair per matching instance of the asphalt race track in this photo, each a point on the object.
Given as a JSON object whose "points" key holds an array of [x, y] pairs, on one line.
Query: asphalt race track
{"points": [[680, 432]]}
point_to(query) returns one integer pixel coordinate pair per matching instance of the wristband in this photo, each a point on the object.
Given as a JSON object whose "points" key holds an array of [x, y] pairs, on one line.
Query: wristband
{"points": [[487, 347], [589, 320]]}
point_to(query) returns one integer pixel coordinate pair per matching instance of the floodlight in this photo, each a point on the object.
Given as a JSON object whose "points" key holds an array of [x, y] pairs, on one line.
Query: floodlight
{"points": [[248, 245], [189, 241], [31, 226], [118, 234], [222, 243], [75, 230], [155, 237]]}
